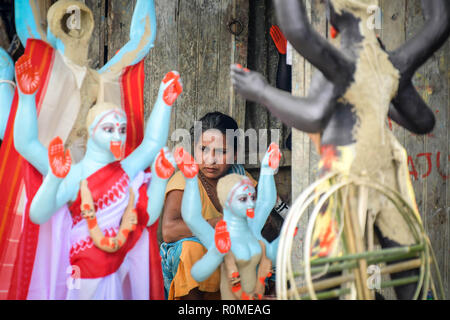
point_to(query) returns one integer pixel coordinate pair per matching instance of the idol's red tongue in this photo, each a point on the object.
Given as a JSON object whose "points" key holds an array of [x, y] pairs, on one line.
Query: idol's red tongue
{"points": [[251, 213], [333, 32], [116, 149]]}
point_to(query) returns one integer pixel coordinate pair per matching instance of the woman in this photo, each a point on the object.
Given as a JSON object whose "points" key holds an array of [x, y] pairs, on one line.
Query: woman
{"points": [[180, 250]]}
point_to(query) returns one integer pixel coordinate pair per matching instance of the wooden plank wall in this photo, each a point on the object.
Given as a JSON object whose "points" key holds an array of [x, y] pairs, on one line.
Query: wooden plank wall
{"points": [[428, 155], [192, 38]]}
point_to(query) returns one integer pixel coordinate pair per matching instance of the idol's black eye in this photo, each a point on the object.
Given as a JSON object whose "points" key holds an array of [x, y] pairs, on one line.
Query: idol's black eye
{"points": [[123, 130], [243, 199], [108, 128]]}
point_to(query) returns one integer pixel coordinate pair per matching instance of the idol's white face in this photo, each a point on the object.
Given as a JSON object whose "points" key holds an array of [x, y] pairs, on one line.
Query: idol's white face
{"points": [[110, 131], [242, 200]]}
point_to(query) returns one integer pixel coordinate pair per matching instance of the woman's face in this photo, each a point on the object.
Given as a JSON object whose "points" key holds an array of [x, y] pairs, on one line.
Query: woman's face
{"points": [[213, 155]]}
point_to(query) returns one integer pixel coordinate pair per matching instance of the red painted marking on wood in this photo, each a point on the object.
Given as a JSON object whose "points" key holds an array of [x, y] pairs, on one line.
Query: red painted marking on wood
{"points": [[430, 166]]}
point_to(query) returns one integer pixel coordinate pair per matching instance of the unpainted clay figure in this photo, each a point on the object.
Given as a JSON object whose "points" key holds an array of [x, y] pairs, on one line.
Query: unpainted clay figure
{"points": [[70, 78], [357, 86]]}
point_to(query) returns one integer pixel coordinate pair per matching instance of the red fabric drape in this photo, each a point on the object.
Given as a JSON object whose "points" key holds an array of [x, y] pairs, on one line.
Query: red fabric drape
{"points": [[14, 170], [132, 83]]}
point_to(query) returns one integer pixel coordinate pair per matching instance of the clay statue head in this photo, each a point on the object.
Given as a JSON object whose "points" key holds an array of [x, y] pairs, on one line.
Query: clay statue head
{"points": [[354, 17], [237, 194], [107, 127], [70, 26]]}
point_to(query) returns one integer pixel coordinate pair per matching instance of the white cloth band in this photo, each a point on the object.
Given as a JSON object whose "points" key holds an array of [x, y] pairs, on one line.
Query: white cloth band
{"points": [[9, 82]]}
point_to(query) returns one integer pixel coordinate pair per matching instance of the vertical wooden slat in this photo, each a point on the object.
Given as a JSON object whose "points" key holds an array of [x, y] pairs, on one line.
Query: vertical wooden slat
{"points": [[319, 23], [431, 189], [120, 13], [436, 214], [393, 35], [239, 45], [433, 86], [224, 44], [304, 155], [208, 58], [44, 5], [257, 115], [301, 164], [188, 31], [415, 144], [4, 40], [232, 49], [163, 58], [446, 214], [272, 66], [97, 44]]}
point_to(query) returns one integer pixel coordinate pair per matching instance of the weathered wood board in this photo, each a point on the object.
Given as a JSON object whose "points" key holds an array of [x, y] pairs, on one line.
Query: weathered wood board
{"points": [[193, 38]]}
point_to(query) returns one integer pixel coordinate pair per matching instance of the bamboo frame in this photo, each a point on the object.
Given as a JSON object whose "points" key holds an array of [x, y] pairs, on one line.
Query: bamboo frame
{"points": [[335, 281], [421, 250], [352, 263]]}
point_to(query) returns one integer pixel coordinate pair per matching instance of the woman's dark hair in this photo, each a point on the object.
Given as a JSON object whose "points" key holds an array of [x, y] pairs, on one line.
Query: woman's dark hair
{"points": [[215, 120]]}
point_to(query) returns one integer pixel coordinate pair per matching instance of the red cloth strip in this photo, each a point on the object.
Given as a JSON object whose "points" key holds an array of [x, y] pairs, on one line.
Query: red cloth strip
{"points": [[41, 56]]}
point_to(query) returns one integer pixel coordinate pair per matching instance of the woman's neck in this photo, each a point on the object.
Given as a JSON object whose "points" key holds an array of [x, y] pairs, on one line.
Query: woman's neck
{"points": [[210, 185], [211, 182]]}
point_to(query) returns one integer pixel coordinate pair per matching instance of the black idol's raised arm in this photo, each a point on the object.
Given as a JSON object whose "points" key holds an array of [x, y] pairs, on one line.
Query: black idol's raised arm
{"points": [[294, 23], [410, 111], [309, 114], [411, 55]]}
